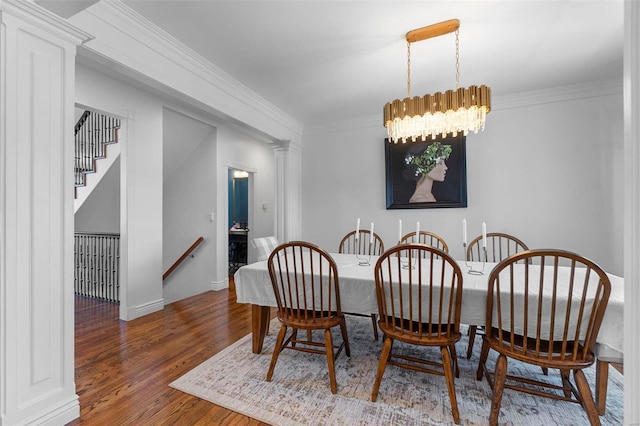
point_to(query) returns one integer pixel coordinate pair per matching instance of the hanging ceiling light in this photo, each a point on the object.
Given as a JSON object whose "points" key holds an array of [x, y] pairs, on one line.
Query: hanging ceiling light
{"points": [[453, 111]]}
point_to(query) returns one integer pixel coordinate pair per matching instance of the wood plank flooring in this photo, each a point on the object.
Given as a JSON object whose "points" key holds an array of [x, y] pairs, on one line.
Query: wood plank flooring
{"points": [[123, 368]]}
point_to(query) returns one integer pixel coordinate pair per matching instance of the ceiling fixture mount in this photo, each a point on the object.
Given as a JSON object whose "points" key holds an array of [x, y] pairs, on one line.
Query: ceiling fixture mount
{"points": [[451, 112]]}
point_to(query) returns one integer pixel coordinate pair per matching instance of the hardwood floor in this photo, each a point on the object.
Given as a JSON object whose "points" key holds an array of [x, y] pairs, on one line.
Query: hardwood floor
{"points": [[123, 368]]}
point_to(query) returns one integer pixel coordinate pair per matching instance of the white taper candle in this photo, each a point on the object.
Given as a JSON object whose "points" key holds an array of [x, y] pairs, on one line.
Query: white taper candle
{"points": [[371, 236], [464, 231], [484, 235]]}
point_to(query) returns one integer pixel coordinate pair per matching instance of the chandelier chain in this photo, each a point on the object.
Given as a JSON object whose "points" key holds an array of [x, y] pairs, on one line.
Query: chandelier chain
{"points": [[457, 60], [408, 69]]}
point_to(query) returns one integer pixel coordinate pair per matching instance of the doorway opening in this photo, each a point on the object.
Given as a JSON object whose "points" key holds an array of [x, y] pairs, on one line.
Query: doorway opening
{"points": [[238, 218]]}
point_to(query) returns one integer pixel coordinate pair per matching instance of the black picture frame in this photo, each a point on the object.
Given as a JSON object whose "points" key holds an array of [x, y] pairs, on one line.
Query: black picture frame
{"points": [[401, 179]]}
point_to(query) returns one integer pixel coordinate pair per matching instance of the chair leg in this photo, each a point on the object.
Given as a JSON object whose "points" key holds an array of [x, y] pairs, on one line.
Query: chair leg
{"points": [[374, 320], [586, 397], [484, 353], [566, 384], [498, 387], [330, 361], [602, 377], [345, 338], [454, 357], [384, 357], [472, 338], [276, 351], [448, 370]]}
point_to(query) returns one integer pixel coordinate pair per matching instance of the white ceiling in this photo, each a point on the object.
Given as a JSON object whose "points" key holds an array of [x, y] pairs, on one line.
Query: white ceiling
{"points": [[324, 61]]}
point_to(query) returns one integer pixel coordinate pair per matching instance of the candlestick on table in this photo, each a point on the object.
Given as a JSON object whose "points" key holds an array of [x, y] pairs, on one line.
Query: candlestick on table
{"points": [[417, 232], [399, 230], [366, 257], [358, 229]]}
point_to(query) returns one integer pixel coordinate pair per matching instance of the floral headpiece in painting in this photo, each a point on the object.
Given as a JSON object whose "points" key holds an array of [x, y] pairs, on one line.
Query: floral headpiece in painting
{"points": [[430, 158]]}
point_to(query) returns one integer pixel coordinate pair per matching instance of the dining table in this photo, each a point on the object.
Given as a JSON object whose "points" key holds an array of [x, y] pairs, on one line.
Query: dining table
{"points": [[358, 295]]}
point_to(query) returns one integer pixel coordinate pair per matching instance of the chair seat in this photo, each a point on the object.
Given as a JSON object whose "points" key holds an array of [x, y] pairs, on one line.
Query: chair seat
{"points": [[420, 334], [309, 321], [560, 355]]}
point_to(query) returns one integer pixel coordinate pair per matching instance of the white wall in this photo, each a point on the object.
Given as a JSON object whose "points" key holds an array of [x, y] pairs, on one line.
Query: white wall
{"points": [[549, 173], [141, 185], [101, 210], [188, 195]]}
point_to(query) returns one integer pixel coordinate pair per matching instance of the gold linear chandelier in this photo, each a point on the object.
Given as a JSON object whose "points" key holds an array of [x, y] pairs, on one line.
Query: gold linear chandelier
{"points": [[451, 112]]}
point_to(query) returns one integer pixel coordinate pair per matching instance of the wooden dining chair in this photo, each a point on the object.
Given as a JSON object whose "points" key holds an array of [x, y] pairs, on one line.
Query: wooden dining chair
{"points": [[544, 307], [364, 246], [305, 283], [499, 247], [419, 293], [428, 238]]}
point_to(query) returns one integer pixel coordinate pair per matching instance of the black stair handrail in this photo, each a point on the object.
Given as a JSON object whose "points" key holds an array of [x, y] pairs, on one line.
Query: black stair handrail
{"points": [[81, 121]]}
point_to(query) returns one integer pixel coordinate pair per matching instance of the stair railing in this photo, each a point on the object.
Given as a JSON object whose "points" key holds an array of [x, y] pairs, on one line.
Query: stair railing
{"points": [[183, 257], [93, 132], [97, 265]]}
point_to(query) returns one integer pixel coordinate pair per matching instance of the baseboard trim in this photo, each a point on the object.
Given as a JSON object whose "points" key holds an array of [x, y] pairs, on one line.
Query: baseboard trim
{"points": [[134, 312], [67, 411], [219, 285]]}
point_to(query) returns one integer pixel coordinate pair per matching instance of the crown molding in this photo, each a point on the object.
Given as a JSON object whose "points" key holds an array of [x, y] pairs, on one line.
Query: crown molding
{"points": [[122, 19], [34, 14], [516, 100], [558, 94]]}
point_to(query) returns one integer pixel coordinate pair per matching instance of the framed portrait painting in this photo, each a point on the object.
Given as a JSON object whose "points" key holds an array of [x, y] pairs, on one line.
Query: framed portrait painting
{"points": [[426, 174]]}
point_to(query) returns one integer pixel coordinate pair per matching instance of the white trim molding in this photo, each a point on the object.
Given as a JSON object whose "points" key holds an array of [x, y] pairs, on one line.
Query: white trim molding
{"points": [[37, 80], [146, 308], [631, 211]]}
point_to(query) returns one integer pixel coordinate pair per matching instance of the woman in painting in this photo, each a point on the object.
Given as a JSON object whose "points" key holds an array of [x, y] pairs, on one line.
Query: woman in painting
{"points": [[426, 166]]}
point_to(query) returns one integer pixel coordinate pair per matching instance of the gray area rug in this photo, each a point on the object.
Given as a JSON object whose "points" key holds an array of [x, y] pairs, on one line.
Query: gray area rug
{"points": [[299, 392]]}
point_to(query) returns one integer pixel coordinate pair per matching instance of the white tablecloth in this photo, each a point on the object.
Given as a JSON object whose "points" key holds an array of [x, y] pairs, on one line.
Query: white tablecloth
{"points": [[358, 295]]}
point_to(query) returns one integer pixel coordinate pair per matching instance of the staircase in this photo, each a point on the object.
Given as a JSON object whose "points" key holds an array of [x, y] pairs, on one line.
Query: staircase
{"points": [[93, 133], [97, 255]]}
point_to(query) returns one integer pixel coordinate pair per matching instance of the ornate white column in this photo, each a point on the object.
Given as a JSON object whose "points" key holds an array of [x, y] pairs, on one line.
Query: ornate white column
{"points": [[288, 172], [37, 77], [631, 211]]}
